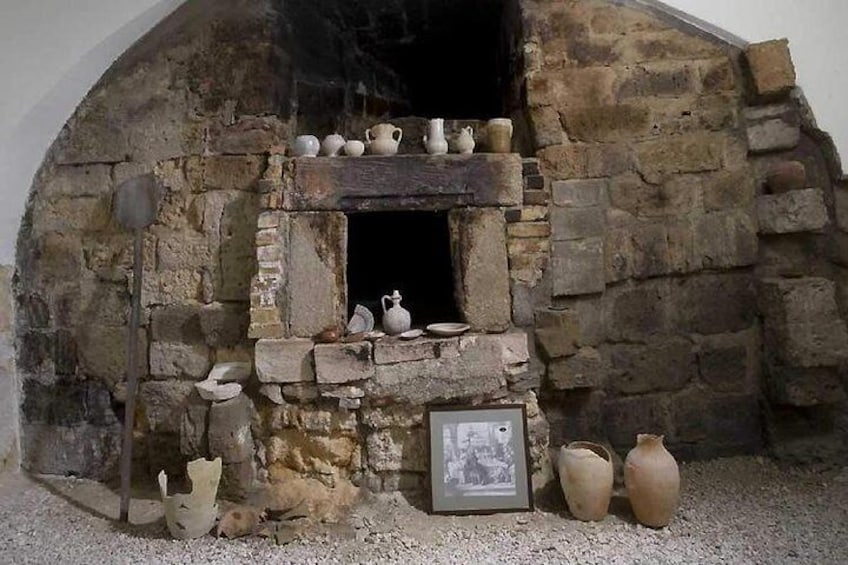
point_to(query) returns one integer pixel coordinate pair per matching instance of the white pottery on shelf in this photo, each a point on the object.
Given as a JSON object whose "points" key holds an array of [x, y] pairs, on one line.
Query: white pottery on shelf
{"points": [[652, 479], [396, 319], [434, 141], [586, 477], [332, 144], [192, 515], [361, 321], [354, 148], [411, 334], [383, 139], [306, 146], [448, 329], [499, 133], [465, 141]]}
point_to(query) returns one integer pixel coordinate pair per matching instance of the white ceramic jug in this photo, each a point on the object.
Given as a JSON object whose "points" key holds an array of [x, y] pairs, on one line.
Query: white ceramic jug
{"points": [[465, 141], [434, 140], [396, 319]]}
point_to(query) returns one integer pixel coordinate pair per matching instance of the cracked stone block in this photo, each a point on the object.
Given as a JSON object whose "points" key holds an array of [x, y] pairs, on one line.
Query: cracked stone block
{"points": [[343, 362], [792, 212], [284, 360]]}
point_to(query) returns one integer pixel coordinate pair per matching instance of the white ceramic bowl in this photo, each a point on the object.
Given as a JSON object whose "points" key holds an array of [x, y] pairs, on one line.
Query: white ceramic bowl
{"points": [[306, 146], [354, 148]]}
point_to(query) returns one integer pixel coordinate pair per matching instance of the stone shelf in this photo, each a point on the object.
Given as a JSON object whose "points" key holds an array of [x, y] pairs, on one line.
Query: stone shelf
{"points": [[403, 182]]}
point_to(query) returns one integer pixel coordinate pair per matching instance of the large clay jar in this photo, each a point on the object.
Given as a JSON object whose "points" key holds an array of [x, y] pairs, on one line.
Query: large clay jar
{"points": [[586, 477], [652, 480]]}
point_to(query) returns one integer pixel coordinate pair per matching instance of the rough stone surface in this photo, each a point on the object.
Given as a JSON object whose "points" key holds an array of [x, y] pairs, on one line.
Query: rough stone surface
{"points": [[578, 267], [163, 404], [664, 366], [343, 363], [9, 398], [557, 332], [802, 324], [478, 248], [771, 67], [792, 212], [805, 387], [772, 128], [477, 371], [316, 264], [229, 429], [388, 351], [585, 369], [284, 360], [179, 360]]}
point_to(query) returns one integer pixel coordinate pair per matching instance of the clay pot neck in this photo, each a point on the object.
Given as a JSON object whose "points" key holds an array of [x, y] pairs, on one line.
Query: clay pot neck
{"points": [[650, 441], [596, 448]]}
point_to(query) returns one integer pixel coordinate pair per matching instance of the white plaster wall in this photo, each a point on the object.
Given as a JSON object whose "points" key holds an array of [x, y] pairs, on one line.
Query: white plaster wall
{"points": [[52, 52]]}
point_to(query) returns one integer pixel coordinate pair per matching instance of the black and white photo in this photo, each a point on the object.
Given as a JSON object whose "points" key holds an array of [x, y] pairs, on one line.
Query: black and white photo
{"points": [[479, 459]]}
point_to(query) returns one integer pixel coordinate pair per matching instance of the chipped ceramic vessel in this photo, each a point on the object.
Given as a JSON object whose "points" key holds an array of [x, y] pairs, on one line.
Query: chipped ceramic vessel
{"points": [[586, 476], [192, 515], [465, 141]]}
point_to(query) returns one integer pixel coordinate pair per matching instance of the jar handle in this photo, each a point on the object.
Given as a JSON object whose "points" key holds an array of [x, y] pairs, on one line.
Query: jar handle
{"points": [[399, 132], [383, 302]]}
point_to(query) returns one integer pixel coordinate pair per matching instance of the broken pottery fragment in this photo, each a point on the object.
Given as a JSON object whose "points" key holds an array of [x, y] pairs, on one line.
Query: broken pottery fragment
{"points": [[192, 515], [213, 390], [239, 521], [236, 371]]}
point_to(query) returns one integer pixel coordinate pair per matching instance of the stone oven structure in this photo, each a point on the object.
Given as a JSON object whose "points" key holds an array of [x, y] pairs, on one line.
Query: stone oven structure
{"points": [[646, 261]]}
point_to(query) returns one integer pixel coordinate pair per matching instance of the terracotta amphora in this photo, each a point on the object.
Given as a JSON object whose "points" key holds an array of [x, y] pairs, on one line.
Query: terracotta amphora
{"points": [[652, 479], [586, 477]]}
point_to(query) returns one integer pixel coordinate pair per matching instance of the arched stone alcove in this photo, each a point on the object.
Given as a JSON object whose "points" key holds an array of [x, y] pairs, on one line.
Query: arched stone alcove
{"points": [[662, 283]]}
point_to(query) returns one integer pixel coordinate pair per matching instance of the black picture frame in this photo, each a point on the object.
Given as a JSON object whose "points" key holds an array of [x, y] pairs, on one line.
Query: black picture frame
{"points": [[479, 459]]}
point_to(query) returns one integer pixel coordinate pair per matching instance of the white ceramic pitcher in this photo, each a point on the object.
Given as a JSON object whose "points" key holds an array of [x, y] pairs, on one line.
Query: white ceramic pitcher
{"points": [[434, 140], [396, 319]]}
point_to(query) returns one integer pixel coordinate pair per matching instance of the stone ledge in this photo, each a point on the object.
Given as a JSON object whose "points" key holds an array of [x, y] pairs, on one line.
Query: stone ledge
{"points": [[396, 182]]}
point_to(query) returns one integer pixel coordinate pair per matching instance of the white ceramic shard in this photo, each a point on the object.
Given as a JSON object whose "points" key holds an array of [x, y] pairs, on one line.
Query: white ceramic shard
{"points": [[230, 372], [192, 515], [215, 391], [361, 321]]}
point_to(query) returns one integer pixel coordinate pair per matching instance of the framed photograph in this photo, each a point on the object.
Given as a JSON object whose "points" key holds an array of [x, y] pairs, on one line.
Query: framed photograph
{"points": [[479, 460]]}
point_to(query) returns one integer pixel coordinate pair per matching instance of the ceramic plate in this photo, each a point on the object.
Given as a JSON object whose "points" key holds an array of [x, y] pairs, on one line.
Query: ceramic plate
{"points": [[448, 329], [374, 336], [361, 321], [411, 334]]}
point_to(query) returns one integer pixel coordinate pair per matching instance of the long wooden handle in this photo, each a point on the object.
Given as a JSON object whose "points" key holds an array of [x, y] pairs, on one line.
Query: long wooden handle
{"points": [[132, 376]]}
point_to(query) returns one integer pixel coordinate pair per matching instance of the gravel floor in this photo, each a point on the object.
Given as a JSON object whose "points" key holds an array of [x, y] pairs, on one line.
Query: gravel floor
{"points": [[742, 510]]}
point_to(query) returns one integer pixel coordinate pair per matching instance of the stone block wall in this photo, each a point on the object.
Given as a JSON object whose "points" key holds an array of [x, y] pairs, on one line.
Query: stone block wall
{"points": [[673, 245], [9, 393], [658, 143]]}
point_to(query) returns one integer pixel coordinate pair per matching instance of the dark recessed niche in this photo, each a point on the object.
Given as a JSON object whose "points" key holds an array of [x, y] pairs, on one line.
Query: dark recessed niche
{"points": [[405, 251]]}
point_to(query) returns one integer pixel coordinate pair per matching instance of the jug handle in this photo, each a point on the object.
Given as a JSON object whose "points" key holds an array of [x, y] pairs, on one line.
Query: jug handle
{"points": [[383, 302], [471, 131], [399, 132], [368, 135], [510, 129]]}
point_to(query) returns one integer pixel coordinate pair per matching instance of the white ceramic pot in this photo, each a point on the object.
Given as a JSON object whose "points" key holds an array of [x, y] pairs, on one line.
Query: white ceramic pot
{"points": [[652, 479], [332, 144], [306, 146], [354, 148], [383, 139], [586, 476], [192, 515]]}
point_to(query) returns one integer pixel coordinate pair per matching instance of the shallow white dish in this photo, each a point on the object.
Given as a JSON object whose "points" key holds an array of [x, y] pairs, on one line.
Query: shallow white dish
{"points": [[411, 334], [448, 329], [361, 321]]}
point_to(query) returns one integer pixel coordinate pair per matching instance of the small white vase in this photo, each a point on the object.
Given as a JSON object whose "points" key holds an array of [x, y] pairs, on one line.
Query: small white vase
{"points": [[434, 141], [465, 141]]}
